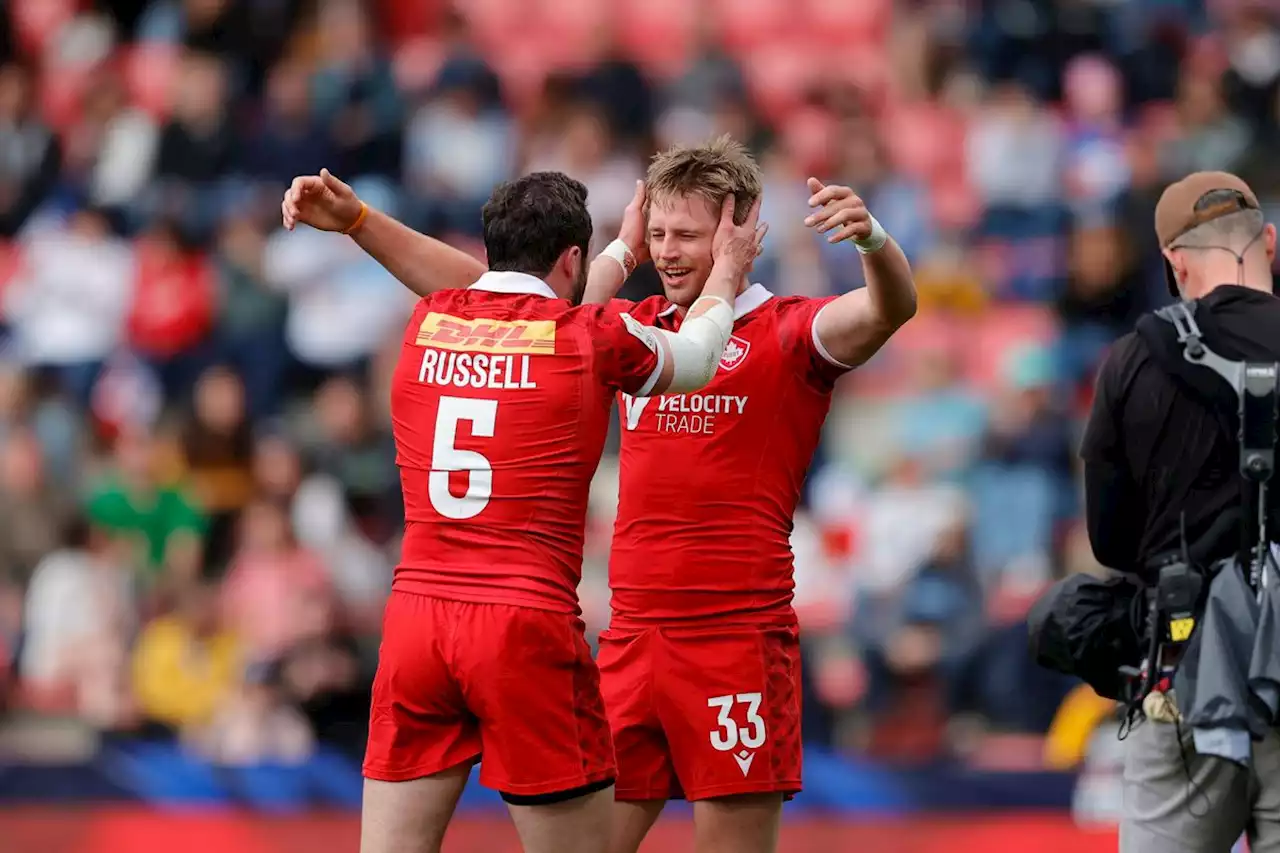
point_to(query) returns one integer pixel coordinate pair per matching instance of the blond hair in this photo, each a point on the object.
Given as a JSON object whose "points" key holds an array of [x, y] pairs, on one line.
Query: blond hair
{"points": [[712, 170]]}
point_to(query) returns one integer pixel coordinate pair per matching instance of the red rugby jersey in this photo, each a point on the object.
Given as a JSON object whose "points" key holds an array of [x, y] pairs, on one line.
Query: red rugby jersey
{"points": [[709, 481], [500, 405]]}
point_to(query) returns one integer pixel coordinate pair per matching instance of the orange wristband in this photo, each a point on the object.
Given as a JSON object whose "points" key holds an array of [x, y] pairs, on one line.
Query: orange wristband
{"points": [[364, 214]]}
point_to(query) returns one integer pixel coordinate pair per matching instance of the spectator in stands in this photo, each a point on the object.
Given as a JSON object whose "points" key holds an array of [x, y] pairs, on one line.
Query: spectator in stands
{"points": [[342, 304], [288, 140], [255, 725], [356, 453], [1104, 294], [217, 444], [30, 156], [1252, 81], [1210, 136], [587, 150], [198, 146], [186, 664], [136, 504], [277, 594], [111, 151], [355, 95], [328, 681], [458, 146], [358, 570], [250, 323], [68, 302], [277, 467], [79, 616], [615, 85], [34, 512], [1014, 153], [174, 299], [940, 419]]}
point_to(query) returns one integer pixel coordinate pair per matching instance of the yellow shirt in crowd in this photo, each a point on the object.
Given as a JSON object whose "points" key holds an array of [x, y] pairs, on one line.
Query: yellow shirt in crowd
{"points": [[181, 678]]}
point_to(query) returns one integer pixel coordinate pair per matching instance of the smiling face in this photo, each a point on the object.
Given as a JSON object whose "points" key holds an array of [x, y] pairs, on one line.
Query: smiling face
{"points": [[681, 230], [686, 187]]}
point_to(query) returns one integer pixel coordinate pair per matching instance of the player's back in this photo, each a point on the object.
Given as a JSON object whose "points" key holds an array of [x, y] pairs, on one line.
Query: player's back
{"points": [[500, 406]]}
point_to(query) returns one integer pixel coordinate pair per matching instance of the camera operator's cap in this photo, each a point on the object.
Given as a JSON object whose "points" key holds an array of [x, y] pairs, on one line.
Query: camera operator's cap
{"points": [[1179, 210]]}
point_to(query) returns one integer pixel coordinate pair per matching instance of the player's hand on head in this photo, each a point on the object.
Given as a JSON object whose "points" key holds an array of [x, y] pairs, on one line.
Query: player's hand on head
{"points": [[840, 213], [635, 225], [321, 201], [739, 244]]}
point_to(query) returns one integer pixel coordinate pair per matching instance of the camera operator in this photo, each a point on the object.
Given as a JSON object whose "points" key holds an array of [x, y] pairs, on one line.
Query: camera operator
{"points": [[1163, 479]]}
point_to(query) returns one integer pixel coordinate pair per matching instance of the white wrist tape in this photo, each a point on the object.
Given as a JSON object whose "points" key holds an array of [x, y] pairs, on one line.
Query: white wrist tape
{"points": [[875, 241], [697, 348], [621, 252]]}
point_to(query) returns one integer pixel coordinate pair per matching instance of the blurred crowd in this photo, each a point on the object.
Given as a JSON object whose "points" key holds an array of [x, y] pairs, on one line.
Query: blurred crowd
{"points": [[199, 506]]}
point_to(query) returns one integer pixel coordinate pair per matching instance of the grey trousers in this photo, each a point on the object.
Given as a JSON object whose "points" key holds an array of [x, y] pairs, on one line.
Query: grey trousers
{"points": [[1164, 813]]}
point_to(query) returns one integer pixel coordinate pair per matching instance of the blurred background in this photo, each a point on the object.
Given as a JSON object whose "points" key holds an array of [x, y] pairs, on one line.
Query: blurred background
{"points": [[199, 507]]}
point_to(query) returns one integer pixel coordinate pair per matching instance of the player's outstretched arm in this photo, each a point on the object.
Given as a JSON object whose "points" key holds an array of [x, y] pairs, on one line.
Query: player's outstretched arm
{"points": [[854, 327], [687, 359], [421, 263], [620, 258]]}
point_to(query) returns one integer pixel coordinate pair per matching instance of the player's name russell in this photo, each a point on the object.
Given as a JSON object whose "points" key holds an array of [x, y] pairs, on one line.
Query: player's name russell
{"points": [[475, 370]]}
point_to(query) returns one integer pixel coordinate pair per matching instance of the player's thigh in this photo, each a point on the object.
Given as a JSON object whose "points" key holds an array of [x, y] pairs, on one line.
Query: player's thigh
{"points": [[419, 723], [632, 821], [576, 825], [645, 772], [410, 817], [730, 708], [746, 823], [529, 678]]}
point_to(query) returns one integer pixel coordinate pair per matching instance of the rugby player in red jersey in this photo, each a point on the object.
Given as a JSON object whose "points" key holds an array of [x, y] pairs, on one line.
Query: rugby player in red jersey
{"points": [[700, 665], [500, 402]]}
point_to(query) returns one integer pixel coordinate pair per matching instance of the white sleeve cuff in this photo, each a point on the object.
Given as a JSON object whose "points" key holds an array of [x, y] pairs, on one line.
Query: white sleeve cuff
{"points": [[817, 342]]}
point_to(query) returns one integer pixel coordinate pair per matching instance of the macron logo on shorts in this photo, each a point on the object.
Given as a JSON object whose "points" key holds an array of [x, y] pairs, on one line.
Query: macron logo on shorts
{"points": [[744, 760]]}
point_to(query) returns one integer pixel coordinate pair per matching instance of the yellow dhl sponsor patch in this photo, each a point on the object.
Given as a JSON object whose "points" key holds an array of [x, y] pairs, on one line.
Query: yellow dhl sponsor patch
{"points": [[498, 336]]}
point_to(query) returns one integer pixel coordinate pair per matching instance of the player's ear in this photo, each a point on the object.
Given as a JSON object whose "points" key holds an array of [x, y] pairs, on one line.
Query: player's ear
{"points": [[1269, 241], [570, 262]]}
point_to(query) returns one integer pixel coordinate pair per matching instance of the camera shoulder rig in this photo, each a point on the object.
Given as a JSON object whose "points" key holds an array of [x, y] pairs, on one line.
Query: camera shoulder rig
{"points": [[1175, 599]]}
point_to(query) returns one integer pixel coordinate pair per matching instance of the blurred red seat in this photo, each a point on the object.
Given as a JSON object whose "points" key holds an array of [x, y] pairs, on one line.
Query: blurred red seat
{"points": [[149, 71], [658, 34], [923, 139], [35, 22], [779, 75], [417, 62], [999, 332], [572, 25], [955, 204], [495, 23], [61, 93], [522, 66], [743, 25], [842, 23]]}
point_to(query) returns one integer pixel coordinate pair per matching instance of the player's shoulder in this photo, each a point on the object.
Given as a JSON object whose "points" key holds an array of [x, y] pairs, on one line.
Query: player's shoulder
{"points": [[787, 311], [510, 305], [647, 310]]}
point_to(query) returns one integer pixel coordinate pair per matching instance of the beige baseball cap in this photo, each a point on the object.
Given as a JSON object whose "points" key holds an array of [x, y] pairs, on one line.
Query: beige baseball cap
{"points": [[1179, 209]]}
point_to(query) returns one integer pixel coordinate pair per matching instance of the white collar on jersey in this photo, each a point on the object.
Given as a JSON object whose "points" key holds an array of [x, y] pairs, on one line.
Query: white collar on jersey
{"points": [[514, 282], [748, 300]]}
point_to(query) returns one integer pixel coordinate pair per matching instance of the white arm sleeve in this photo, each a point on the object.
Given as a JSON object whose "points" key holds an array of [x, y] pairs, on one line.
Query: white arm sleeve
{"points": [[695, 350]]}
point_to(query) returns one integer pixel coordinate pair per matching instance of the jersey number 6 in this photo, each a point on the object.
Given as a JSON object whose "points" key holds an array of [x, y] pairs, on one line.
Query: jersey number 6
{"points": [[751, 736], [446, 458]]}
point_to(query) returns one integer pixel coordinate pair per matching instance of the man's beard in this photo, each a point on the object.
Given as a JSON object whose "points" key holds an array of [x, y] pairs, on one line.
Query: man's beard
{"points": [[579, 286]]}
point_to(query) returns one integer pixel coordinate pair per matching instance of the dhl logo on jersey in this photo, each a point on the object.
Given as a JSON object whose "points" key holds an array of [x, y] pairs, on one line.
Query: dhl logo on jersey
{"points": [[494, 336]]}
